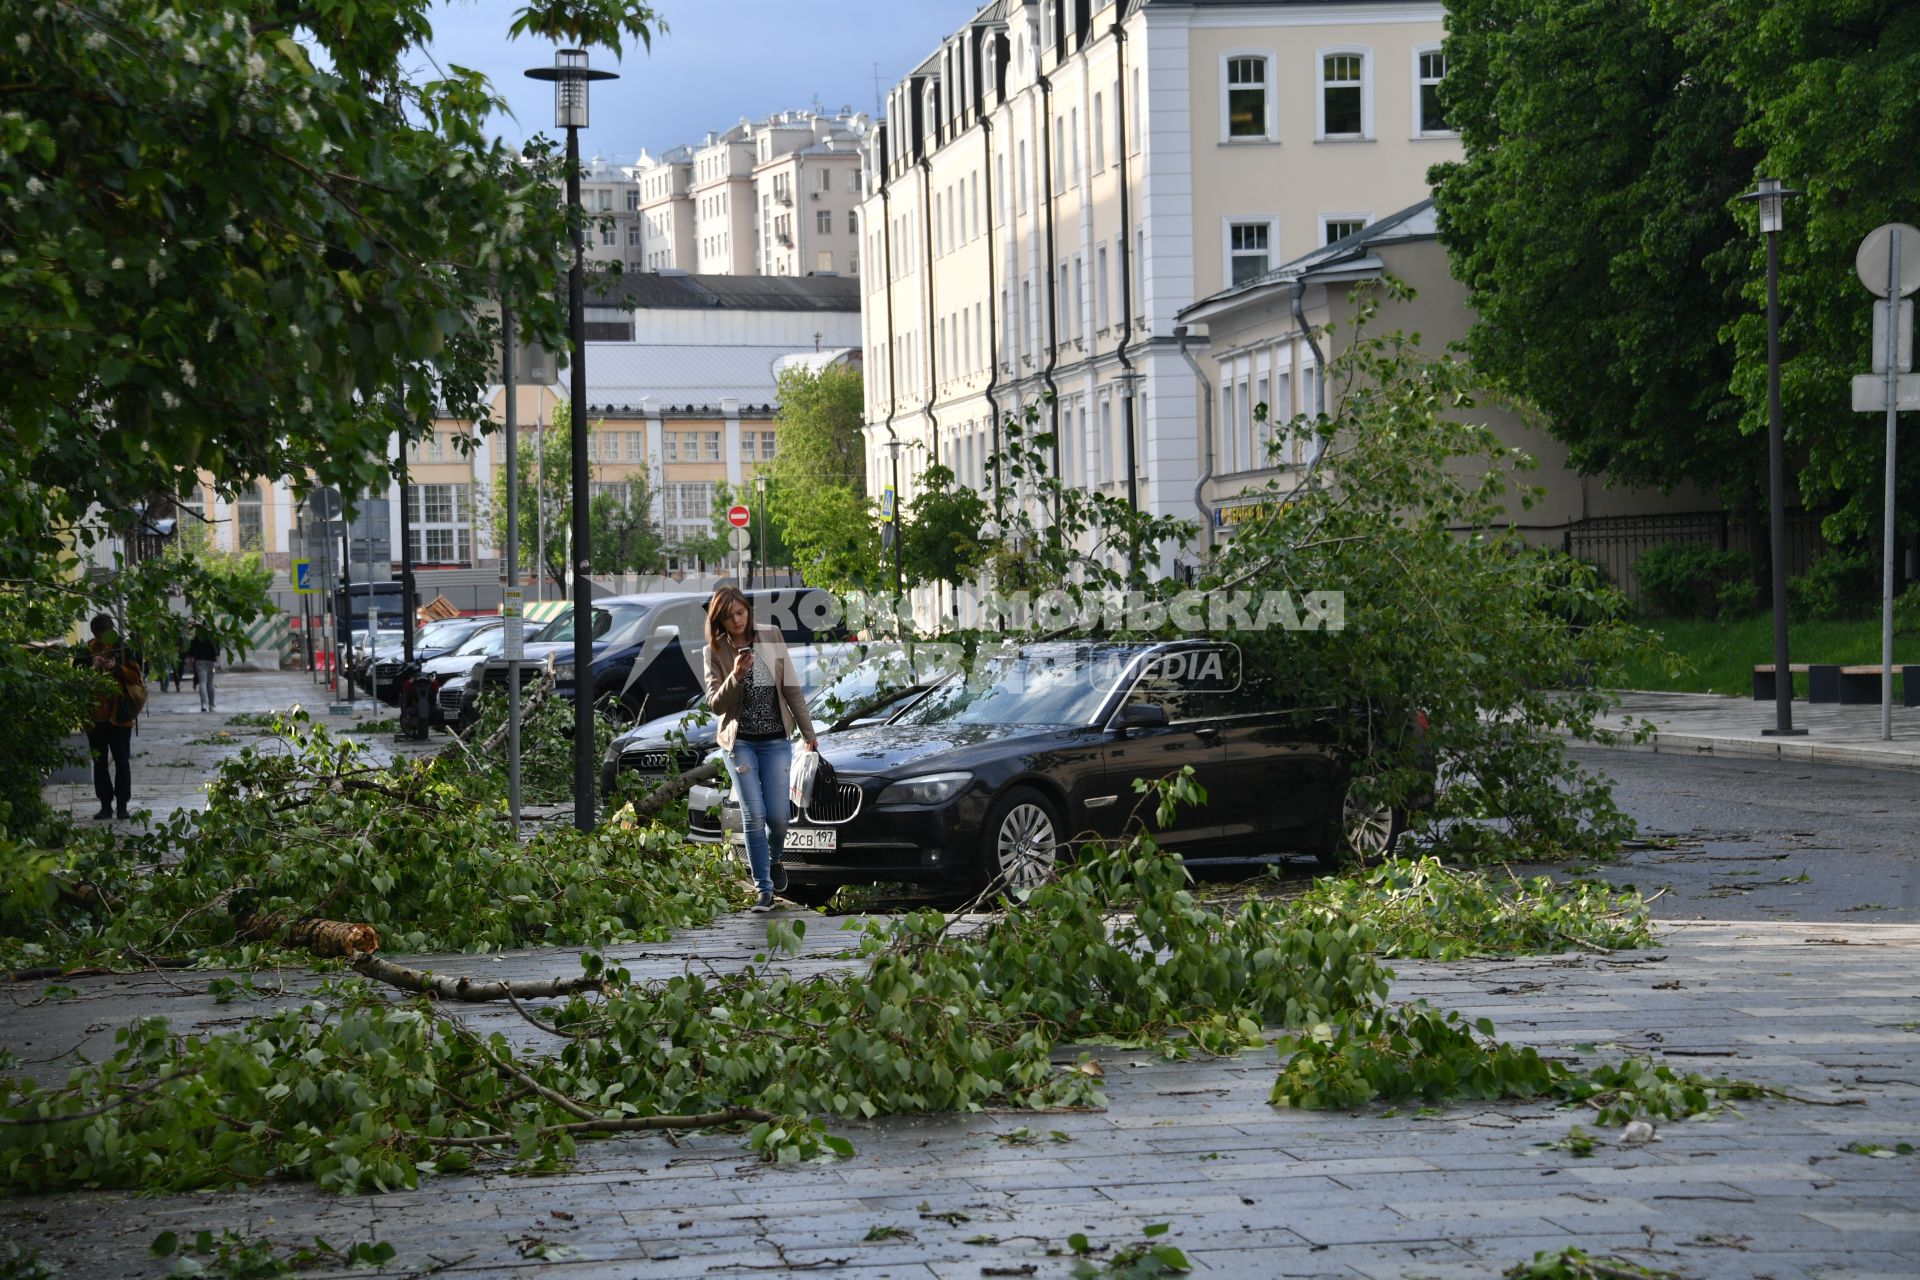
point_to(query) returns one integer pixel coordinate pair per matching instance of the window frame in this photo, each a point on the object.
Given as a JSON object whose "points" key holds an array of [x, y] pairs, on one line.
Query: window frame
{"points": [[1271, 223], [1320, 57], [1364, 219], [1420, 82], [1269, 91]]}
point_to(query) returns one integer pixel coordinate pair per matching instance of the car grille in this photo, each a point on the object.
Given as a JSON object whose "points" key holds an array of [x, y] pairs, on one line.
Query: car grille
{"points": [[839, 806], [705, 821], [450, 699], [657, 760]]}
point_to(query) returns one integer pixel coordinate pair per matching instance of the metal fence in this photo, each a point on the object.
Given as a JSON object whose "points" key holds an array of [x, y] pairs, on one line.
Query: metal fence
{"points": [[1616, 542]]}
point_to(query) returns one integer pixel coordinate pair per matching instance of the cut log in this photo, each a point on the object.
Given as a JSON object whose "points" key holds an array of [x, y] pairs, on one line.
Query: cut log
{"points": [[469, 990], [323, 938]]}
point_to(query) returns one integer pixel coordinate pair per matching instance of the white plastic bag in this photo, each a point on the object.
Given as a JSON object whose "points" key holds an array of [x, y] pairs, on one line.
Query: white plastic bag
{"points": [[806, 765]]}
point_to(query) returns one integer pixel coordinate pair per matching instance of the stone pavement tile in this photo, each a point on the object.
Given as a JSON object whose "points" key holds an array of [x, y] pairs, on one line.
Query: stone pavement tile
{"points": [[1340, 1169], [1857, 1221], [1429, 1257]]}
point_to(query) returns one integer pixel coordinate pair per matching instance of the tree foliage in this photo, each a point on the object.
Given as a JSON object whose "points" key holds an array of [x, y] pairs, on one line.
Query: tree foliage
{"points": [[239, 239], [1618, 282]]}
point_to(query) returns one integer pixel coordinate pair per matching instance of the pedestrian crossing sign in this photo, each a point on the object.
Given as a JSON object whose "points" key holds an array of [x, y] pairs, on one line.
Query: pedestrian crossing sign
{"points": [[303, 578]]}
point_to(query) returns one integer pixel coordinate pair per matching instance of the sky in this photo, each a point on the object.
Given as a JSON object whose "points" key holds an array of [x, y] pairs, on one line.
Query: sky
{"points": [[719, 60]]}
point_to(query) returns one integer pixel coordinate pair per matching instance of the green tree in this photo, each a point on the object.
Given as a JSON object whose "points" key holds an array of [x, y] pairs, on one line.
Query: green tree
{"points": [[1618, 281], [626, 537], [817, 483], [941, 539], [239, 238]]}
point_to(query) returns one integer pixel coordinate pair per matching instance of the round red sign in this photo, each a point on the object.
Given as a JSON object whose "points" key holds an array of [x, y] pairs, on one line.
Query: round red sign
{"points": [[737, 517]]}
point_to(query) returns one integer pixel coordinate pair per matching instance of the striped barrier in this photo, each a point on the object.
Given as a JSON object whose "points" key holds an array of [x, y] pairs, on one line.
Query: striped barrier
{"points": [[269, 645]]}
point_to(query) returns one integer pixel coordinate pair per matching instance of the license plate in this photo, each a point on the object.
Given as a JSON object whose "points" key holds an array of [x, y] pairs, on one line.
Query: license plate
{"points": [[812, 839]]}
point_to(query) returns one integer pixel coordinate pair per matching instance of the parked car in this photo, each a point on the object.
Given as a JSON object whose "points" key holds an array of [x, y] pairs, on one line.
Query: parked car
{"points": [[986, 780], [646, 648], [452, 705], [434, 640], [845, 685]]}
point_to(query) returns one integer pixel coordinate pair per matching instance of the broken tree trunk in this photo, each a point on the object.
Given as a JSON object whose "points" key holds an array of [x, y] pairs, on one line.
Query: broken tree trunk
{"points": [[468, 989], [323, 938]]}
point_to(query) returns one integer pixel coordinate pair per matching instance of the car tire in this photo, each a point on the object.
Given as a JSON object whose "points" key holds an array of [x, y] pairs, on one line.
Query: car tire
{"points": [[1020, 841], [1362, 834]]}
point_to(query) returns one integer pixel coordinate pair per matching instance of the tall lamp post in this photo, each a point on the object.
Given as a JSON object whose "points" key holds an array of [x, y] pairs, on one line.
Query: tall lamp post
{"points": [[1771, 194], [571, 76]]}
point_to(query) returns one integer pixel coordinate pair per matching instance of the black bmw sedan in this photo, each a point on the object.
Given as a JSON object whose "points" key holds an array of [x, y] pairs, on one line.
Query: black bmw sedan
{"points": [[985, 780]]}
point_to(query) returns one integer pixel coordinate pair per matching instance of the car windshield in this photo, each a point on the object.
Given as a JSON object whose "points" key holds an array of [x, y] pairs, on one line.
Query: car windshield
{"points": [[1017, 689], [606, 619], [487, 642], [442, 635]]}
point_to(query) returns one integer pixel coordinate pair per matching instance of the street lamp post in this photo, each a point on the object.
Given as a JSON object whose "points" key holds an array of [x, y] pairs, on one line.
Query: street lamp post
{"points": [[571, 76], [1771, 195]]}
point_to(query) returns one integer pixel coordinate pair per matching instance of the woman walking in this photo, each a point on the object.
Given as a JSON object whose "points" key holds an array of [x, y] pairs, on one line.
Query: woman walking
{"points": [[756, 695]]}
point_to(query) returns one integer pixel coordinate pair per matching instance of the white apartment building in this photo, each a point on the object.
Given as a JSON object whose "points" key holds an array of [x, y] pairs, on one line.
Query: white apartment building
{"points": [[666, 209], [611, 198], [721, 193], [807, 178], [1062, 177]]}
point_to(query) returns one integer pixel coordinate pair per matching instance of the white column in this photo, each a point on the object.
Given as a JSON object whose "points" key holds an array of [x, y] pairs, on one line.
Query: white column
{"points": [[730, 445], [282, 539], [656, 471]]}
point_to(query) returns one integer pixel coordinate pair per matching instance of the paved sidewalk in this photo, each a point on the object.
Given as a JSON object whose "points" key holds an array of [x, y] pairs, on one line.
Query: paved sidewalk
{"points": [[178, 747], [1714, 724], [1827, 1011]]}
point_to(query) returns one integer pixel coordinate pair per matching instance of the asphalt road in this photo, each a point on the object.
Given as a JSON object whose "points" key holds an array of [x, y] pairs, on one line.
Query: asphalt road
{"points": [[1764, 840]]}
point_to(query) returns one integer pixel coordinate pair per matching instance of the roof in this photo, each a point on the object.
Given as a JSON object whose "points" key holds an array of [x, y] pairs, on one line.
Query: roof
{"points": [[1347, 254], [649, 291], [815, 361], [623, 374]]}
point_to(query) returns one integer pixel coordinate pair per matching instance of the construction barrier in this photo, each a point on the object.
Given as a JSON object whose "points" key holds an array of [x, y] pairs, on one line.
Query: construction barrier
{"points": [[269, 645]]}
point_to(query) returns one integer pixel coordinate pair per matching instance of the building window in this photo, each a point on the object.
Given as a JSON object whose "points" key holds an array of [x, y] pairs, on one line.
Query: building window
{"points": [[1247, 97], [606, 236], [633, 201], [853, 263], [441, 533], [606, 201], [826, 179], [249, 523], [1343, 95], [636, 446], [823, 222], [1338, 226], [712, 441], [823, 261], [1430, 70], [1249, 250], [670, 447], [1103, 316], [853, 223], [633, 235]]}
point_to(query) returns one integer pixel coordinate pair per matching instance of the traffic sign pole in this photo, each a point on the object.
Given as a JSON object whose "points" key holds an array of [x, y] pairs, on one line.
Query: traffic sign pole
{"points": [[1886, 544], [1888, 264]]}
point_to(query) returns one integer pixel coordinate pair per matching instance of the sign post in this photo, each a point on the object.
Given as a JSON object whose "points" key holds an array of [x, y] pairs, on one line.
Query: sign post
{"points": [[1888, 264], [739, 517]]}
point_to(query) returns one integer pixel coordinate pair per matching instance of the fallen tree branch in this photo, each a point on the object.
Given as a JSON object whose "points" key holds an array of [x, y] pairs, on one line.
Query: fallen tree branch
{"points": [[674, 788], [622, 1124], [91, 1112], [467, 989]]}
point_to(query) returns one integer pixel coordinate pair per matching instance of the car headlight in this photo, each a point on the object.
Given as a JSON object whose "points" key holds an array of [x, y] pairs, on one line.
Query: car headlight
{"points": [[932, 788]]}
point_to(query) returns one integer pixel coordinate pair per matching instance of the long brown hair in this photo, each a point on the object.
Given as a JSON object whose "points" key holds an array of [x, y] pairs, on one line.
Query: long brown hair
{"points": [[717, 610]]}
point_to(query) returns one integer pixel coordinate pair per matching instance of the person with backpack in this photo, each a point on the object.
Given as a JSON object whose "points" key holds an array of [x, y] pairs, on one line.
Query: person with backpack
{"points": [[111, 733]]}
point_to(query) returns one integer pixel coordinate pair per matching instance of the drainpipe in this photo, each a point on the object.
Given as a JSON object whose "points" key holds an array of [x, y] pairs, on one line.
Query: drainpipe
{"points": [[933, 347], [993, 307], [1319, 373], [1125, 259], [1206, 439], [1053, 297], [893, 382]]}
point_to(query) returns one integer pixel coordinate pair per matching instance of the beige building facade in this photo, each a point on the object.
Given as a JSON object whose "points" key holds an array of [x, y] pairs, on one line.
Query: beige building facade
{"points": [[1056, 183], [807, 184]]}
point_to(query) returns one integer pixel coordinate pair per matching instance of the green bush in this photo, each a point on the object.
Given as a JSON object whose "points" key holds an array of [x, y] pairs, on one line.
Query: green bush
{"points": [[1685, 580], [1906, 611], [1836, 586]]}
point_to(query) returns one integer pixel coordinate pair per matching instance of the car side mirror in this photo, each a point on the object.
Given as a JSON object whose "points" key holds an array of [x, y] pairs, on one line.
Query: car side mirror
{"points": [[1142, 715]]}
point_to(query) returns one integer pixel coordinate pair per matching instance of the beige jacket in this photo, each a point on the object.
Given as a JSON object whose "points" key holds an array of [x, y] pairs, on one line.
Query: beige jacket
{"points": [[726, 692]]}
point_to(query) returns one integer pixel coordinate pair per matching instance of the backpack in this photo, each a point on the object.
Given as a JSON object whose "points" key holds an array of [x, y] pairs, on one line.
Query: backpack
{"points": [[133, 693]]}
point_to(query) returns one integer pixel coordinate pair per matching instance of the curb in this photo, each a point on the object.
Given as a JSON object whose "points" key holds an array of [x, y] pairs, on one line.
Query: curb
{"points": [[1797, 750]]}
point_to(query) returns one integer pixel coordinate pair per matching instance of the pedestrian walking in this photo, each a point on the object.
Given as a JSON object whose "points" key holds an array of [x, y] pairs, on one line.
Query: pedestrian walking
{"points": [[757, 698], [205, 654], [110, 734]]}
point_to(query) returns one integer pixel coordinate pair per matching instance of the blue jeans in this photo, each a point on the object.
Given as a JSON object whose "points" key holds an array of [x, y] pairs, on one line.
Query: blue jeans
{"points": [[761, 771]]}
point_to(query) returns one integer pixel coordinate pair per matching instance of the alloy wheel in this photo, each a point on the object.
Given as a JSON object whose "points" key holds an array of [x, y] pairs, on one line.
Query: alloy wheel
{"points": [[1025, 844]]}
